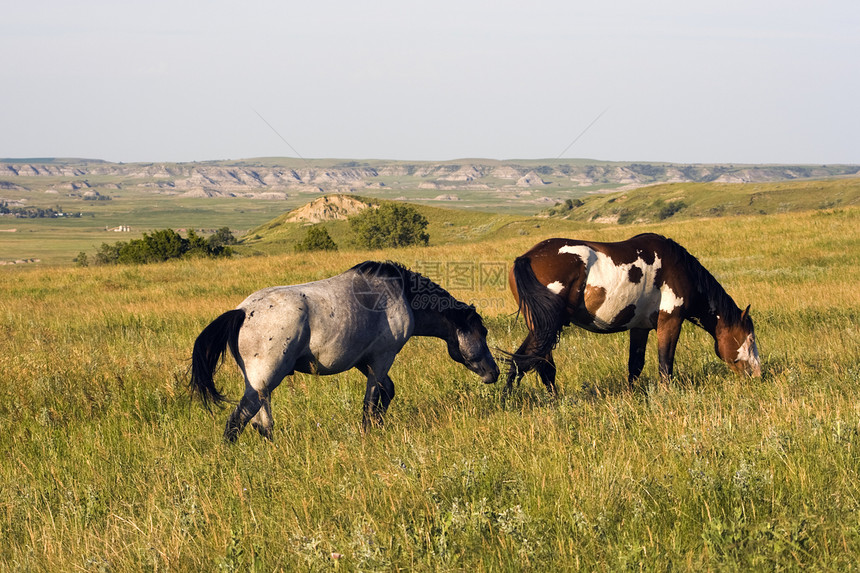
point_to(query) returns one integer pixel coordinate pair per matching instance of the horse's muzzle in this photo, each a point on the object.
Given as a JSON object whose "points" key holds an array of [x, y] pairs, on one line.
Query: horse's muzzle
{"points": [[751, 369], [490, 376]]}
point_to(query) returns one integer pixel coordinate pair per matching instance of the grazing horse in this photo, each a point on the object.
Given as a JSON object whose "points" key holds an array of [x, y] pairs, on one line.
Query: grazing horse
{"points": [[644, 283], [358, 319]]}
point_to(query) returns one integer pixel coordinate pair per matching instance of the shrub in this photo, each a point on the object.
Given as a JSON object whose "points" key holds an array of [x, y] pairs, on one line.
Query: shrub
{"points": [[626, 216], [82, 260], [670, 209], [391, 225], [220, 238], [316, 239], [159, 246], [566, 207]]}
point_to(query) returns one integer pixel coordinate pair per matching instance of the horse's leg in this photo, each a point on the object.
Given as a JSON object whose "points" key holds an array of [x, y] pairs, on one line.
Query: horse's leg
{"points": [[386, 394], [263, 373], [370, 415], [248, 407], [668, 331], [379, 392], [262, 420], [372, 397], [546, 370], [517, 369], [636, 360]]}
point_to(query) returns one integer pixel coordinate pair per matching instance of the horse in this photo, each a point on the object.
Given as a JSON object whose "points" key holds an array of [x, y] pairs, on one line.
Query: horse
{"points": [[644, 283], [358, 319]]}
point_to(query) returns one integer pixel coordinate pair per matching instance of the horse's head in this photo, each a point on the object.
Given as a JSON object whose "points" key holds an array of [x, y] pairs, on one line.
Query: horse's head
{"points": [[468, 346], [736, 345]]}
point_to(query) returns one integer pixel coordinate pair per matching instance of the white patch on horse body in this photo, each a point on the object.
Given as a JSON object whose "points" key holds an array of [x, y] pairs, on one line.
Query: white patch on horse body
{"points": [[555, 287], [587, 254], [669, 301], [620, 292]]}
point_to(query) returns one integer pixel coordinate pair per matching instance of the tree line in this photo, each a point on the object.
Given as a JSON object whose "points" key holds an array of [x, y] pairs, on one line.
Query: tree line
{"points": [[161, 246], [35, 212]]}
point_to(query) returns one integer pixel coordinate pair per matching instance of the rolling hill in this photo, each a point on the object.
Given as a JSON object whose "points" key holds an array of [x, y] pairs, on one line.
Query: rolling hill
{"points": [[449, 226], [690, 200]]}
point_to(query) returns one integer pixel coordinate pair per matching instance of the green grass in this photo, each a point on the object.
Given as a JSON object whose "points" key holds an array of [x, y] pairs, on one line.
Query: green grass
{"points": [[107, 466], [696, 200]]}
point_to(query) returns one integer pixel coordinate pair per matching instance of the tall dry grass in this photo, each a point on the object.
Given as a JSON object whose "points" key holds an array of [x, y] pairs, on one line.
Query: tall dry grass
{"points": [[107, 466]]}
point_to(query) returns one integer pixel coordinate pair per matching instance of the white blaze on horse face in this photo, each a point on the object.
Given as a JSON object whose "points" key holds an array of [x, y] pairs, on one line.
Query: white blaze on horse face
{"points": [[621, 291], [748, 354], [555, 287]]}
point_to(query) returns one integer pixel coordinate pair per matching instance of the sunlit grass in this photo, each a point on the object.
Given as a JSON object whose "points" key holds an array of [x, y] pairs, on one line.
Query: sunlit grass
{"points": [[107, 465], [712, 199]]}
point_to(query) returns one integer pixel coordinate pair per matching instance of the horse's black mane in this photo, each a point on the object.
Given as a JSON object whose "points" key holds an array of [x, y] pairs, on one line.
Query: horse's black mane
{"points": [[712, 292], [419, 291]]}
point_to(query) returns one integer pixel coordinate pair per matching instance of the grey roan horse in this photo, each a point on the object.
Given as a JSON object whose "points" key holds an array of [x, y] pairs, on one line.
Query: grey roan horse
{"points": [[358, 319]]}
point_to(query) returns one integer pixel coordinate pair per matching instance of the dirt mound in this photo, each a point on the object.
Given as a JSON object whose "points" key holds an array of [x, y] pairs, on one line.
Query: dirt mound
{"points": [[530, 179], [328, 208]]}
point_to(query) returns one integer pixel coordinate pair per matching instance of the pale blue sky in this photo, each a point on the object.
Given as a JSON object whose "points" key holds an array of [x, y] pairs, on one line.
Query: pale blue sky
{"points": [[711, 81]]}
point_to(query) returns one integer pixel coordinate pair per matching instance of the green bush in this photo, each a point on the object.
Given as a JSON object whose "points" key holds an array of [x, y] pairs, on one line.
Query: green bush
{"points": [[566, 207], [219, 239], [670, 209], [316, 239], [163, 245], [390, 225], [82, 260]]}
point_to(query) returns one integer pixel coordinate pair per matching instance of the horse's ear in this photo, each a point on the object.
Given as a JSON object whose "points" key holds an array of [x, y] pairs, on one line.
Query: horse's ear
{"points": [[745, 313]]}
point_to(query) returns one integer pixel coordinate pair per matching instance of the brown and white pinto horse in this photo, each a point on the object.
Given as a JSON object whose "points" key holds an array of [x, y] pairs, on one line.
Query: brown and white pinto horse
{"points": [[644, 283]]}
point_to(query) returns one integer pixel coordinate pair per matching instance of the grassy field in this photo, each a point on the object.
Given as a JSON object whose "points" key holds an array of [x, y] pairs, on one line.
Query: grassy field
{"points": [[695, 200], [107, 466], [57, 241]]}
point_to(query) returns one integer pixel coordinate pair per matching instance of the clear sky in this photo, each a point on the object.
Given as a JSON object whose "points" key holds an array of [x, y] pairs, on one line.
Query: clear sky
{"points": [[735, 81]]}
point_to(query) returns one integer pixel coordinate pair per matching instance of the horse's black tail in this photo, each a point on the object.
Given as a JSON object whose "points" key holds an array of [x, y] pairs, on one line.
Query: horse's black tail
{"points": [[209, 349], [543, 311]]}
